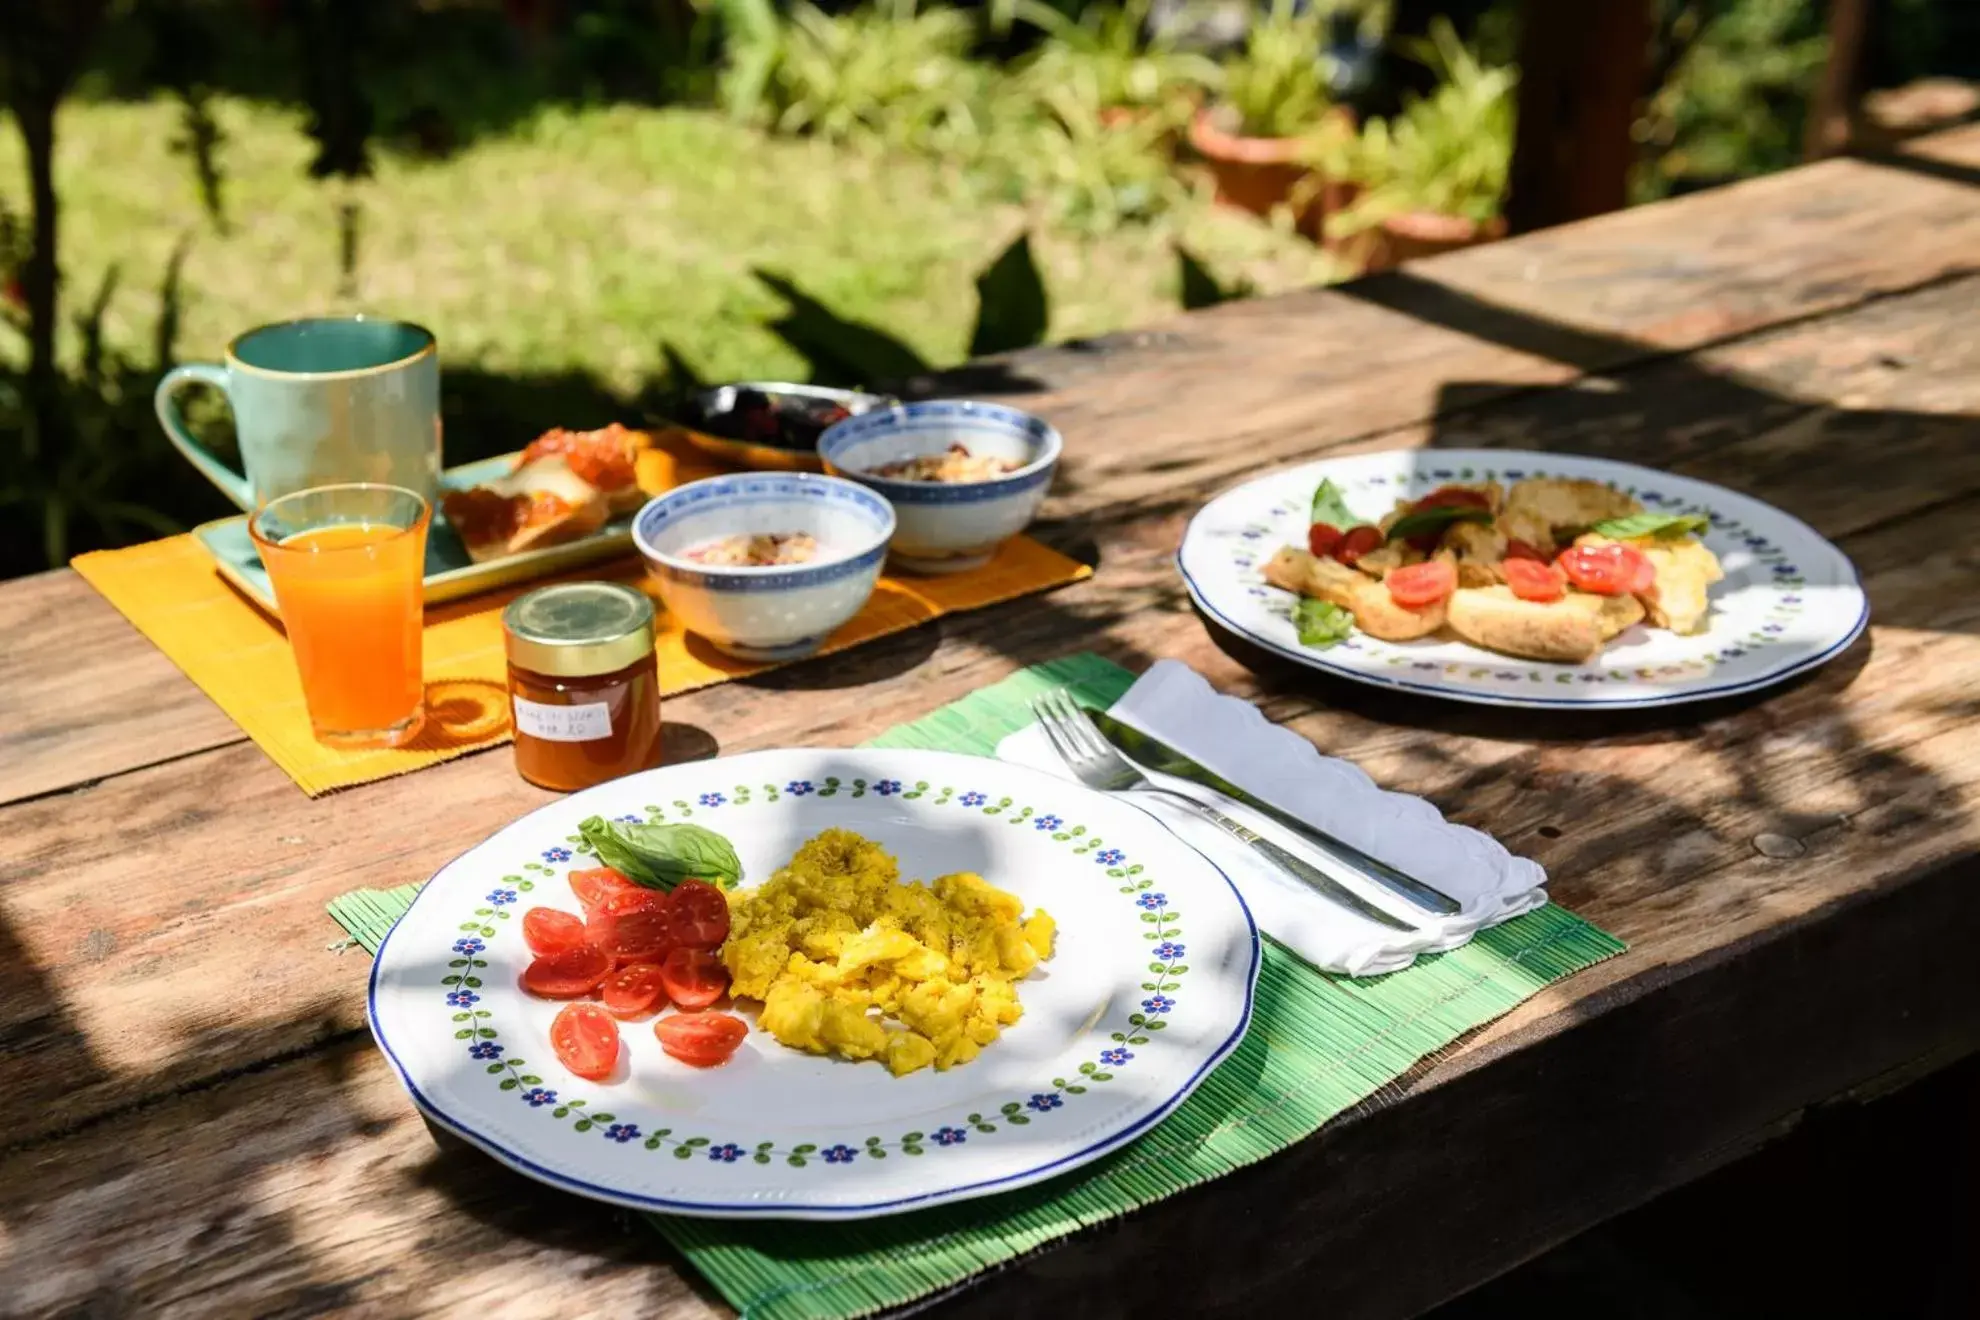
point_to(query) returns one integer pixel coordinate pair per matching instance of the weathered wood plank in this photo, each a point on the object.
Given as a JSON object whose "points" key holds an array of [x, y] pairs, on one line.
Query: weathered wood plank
{"points": [[83, 695], [1155, 411]]}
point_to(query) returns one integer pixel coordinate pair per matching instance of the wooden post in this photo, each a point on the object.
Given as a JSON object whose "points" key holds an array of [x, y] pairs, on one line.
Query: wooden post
{"points": [[1832, 112], [1581, 79]]}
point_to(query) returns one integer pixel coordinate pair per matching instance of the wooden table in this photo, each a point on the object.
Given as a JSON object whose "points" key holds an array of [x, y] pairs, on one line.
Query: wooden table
{"points": [[195, 1117]]}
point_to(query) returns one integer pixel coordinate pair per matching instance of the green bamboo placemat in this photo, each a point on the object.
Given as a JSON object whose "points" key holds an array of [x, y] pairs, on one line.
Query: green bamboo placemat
{"points": [[1317, 1045]]}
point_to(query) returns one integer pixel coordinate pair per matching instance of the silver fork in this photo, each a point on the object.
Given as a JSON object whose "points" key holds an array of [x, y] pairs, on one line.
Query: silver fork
{"points": [[1095, 763]]}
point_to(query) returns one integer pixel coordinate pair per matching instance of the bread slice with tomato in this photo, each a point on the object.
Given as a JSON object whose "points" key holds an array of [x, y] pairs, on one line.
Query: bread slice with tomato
{"points": [[542, 503]]}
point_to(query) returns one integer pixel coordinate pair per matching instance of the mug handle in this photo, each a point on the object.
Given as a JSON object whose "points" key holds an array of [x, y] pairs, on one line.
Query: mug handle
{"points": [[231, 483]]}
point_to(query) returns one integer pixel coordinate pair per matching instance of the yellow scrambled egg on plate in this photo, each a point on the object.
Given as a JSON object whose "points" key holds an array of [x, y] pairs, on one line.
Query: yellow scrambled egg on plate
{"points": [[849, 960]]}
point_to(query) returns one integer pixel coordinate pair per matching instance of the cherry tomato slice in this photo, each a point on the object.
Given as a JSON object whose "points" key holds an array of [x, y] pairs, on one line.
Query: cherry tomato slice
{"points": [[1453, 497], [586, 1040], [701, 915], [633, 925], [1532, 579], [1419, 586], [567, 975], [635, 989], [1518, 549], [592, 886], [1607, 570], [701, 1040], [1322, 539], [1357, 543], [695, 978], [546, 930]]}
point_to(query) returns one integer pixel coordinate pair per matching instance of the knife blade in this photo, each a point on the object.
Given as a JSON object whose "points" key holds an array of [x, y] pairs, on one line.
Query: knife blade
{"points": [[1155, 754]]}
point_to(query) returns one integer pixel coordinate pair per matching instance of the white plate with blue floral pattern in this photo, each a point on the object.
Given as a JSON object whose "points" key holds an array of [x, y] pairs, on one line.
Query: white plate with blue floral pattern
{"points": [[1149, 987], [1790, 600]]}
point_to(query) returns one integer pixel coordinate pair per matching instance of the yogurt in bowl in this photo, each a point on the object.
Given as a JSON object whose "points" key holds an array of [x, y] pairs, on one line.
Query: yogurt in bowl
{"points": [[963, 477], [765, 565]]}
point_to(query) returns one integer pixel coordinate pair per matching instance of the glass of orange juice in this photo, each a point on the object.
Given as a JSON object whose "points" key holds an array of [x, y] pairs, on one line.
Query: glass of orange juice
{"points": [[348, 564]]}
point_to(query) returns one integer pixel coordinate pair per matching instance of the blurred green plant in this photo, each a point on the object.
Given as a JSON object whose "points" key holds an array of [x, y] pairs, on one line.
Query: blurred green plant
{"points": [[1276, 85], [1735, 94], [1448, 153], [1110, 57], [889, 73], [1083, 168]]}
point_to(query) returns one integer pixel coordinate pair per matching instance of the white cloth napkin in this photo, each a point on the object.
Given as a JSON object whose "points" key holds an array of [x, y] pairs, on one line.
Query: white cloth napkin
{"points": [[1174, 703]]}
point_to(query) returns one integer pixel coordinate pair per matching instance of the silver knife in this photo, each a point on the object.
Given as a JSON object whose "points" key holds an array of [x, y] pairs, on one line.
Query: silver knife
{"points": [[1157, 755]]}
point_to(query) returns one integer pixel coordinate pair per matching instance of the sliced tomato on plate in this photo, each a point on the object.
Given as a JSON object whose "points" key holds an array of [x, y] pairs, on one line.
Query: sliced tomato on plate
{"points": [[567, 975], [701, 915], [547, 930], [701, 1040], [633, 925], [1419, 586], [1322, 539], [1533, 579], [695, 978], [1608, 570], [1357, 543], [586, 1040], [593, 885], [635, 989]]}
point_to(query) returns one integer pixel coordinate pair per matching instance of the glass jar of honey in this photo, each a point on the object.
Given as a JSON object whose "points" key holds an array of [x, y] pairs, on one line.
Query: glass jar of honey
{"points": [[584, 688]]}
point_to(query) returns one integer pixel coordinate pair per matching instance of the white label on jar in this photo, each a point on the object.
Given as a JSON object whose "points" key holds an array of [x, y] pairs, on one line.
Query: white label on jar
{"points": [[586, 723]]}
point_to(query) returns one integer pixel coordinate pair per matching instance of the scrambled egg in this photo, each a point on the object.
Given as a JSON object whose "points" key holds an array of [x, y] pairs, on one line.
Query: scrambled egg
{"points": [[835, 945]]}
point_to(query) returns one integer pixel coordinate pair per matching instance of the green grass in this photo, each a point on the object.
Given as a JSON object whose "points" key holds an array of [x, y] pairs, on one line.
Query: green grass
{"points": [[581, 241]]}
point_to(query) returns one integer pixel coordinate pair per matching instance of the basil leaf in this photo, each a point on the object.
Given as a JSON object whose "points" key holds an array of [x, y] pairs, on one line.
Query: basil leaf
{"points": [[661, 856], [1651, 524], [1321, 623], [1330, 508], [1435, 519]]}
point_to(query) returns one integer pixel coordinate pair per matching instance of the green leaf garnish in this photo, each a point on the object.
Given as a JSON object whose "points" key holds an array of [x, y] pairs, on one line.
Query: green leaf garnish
{"points": [[1321, 623], [1330, 508], [661, 856], [1651, 524], [1436, 518]]}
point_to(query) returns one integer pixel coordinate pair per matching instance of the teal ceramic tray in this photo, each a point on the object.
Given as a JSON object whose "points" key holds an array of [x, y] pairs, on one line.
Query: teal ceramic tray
{"points": [[450, 574]]}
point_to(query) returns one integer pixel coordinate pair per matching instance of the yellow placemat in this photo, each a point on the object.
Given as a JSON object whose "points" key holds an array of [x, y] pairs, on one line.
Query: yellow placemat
{"points": [[239, 656]]}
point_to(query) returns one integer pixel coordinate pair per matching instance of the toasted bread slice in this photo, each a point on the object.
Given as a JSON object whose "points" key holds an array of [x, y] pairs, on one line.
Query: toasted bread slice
{"points": [[1375, 611], [541, 503], [608, 458], [1494, 618]]}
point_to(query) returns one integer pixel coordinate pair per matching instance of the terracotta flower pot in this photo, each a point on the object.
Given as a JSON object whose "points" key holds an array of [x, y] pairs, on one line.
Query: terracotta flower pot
{"points": [[1416, 234], [1258, 174]]}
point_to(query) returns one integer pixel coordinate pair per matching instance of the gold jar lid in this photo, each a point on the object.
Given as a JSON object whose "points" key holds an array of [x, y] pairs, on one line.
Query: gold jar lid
{"points": [[576, 629]]}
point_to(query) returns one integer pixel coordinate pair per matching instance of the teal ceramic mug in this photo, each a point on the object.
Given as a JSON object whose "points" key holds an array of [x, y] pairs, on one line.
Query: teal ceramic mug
{"points": [[318, 402]]}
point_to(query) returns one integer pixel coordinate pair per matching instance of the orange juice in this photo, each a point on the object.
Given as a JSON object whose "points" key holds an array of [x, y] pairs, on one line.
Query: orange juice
{"points": [[350, 595]]}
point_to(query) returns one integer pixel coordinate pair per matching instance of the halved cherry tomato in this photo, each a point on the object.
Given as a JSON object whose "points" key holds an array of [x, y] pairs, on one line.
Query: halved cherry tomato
{"points": [[1357, 543], [1608, 570], [1322, 539], [592, 886], [635, 989], [1518, 549], [1453, 497], [567, 975], [701, 915], [586, 1040], [695, 978], [633, 925], [1419, 586], [701, 1040], [546, 930], [1532, 579]]}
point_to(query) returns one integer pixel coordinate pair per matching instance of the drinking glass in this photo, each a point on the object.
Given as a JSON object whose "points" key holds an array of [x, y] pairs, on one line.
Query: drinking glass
{"points": [[348, 564]]}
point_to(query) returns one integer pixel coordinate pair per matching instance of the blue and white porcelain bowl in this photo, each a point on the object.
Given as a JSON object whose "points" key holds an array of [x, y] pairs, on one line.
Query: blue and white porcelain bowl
{"points": [[765, 612], [945, 527]]}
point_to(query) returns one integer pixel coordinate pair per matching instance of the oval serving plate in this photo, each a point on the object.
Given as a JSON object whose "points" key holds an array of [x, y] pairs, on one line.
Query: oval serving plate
{"points": [[721, 401], [1790, 601], [1149, 987]]}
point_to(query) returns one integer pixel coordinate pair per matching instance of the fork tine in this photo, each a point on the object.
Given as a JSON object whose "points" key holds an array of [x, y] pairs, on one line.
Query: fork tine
{"points": [[1054, 702], [1082, 728], [1048, 721]]}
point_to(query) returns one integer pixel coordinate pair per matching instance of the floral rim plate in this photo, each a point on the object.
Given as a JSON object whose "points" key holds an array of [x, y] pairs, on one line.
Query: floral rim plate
{"points": [[1790, 600], [1149, 988]]}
